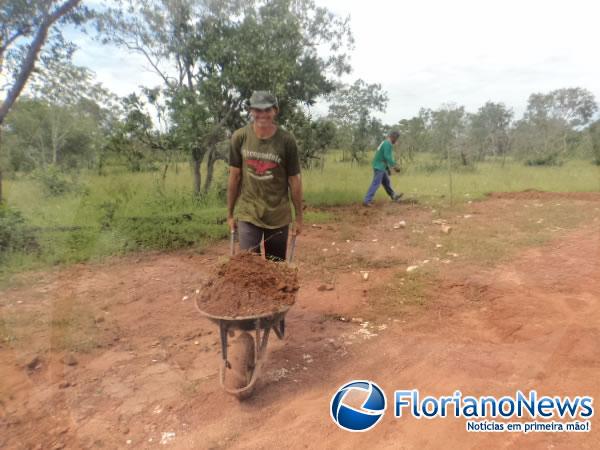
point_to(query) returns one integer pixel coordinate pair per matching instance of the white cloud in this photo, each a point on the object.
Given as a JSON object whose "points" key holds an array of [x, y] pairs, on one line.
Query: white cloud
{"points": [[429, 52]]}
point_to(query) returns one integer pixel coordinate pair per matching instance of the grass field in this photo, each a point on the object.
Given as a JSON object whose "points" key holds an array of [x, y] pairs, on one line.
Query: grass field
{"points": [[123, 212]]}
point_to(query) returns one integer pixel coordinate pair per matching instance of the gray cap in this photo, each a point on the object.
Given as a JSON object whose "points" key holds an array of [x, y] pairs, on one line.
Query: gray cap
{"points": [[394, 133], [262, 100]]}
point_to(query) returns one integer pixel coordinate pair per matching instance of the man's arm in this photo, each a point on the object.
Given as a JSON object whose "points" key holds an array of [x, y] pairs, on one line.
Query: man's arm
{"points": [[388, 154], [233, 192], [295, 183]]}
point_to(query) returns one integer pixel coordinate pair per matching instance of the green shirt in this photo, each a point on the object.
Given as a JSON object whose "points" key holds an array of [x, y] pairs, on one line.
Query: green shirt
{"points": [[265, 167], [384, 156]]}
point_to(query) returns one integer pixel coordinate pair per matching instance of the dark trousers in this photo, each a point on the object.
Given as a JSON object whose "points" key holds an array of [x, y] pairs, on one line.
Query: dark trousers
{"points": [[380, 177], [250, 236]]}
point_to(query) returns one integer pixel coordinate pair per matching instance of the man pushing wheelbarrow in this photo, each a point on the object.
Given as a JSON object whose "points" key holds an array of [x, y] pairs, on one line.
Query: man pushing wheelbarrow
{"points": [[264, 170], [264, 173]]}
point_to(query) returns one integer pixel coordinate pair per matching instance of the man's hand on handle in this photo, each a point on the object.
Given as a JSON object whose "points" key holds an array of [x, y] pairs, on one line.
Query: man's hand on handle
{"points": [[232, 224], [297, 227]]}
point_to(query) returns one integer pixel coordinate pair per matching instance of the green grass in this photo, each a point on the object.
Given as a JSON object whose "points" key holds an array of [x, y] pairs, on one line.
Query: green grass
{"points": [[341, 183], [123, 212], [116, 213], [317, 216], [491, 242], [401, 294]]}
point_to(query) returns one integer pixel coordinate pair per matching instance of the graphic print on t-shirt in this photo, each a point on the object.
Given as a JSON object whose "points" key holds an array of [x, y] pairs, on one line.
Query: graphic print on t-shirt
{"points": [[261, 165]]}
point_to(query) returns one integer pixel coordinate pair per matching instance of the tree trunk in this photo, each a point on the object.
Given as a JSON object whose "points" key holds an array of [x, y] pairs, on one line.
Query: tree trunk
{"points": [[197, 162], [1, 194], [54, 142], [164, 174], [214, 155], [32, 52], [450, 187], [210, 168]]}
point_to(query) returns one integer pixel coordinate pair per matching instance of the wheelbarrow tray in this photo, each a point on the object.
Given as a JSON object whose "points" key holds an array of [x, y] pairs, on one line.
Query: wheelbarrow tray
{"points": [[248, 322]]}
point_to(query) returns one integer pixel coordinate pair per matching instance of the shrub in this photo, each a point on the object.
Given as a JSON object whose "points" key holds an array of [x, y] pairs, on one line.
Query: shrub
{"points": [[173, 231], [15, 235], [54, 182], [550, 159]]}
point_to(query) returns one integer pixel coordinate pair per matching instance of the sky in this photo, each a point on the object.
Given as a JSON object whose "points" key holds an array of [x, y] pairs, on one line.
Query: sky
{"points": [[427, 53]]}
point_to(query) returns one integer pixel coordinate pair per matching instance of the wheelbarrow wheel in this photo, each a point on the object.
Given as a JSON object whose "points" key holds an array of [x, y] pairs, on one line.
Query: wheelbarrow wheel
{"points": [[240, 367]]}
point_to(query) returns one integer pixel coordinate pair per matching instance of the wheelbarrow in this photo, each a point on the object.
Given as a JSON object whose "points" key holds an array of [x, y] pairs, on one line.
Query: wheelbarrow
{"points": [[242, 361], [241, 367]]}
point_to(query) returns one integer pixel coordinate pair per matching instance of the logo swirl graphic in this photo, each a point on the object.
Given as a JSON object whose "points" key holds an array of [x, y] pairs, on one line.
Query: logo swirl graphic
{"points": [[371, 411]]}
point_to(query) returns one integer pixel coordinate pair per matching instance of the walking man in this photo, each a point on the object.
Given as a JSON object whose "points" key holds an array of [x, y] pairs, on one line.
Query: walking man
{"points": [[264, 172], [382, 163]]}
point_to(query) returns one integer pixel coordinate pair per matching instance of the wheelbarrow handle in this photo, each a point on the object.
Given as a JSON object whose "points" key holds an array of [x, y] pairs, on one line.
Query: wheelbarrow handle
{"points": [[292, 249], [232, 243]]}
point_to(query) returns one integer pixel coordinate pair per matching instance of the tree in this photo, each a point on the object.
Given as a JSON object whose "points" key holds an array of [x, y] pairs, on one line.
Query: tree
{"points": [[538, 132], [594, 131], [352, 107], [575, 106], [414, 135], [68, 88], [135, 137], [313, 136], [447, 132], [551, 118], [27, 30], [489, 129], [40, 134], [447, 125], [210, 55]]}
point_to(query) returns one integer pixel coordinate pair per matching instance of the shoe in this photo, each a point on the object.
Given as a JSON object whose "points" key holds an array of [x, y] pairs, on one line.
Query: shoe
{"points": [[397, 197], [367, 205]]}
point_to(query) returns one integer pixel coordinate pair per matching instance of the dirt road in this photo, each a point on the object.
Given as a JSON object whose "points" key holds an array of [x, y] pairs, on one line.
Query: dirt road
{"points": [[114, 355]]}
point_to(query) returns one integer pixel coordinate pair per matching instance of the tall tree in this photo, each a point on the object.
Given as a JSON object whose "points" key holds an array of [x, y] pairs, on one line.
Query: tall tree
{"points": [[414, 135], [313, 136], [43, 134], [27, 30], [574, 106], [352, 107], [211, 54], [554, 116], [67, 88], [447, 132], [594, 131], [489, 129], [447, 125]]}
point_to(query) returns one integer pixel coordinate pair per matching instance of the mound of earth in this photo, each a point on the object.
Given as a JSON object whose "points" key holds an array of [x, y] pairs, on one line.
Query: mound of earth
{"points": [[248, 285]]}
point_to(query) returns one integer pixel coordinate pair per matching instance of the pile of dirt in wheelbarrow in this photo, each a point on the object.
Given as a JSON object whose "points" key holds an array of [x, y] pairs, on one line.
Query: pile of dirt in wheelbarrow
{"points": [[248, 285]]}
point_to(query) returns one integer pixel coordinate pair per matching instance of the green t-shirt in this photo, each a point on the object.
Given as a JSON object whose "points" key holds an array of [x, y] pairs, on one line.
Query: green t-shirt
{"points": [[384, 156], [265, 166]]}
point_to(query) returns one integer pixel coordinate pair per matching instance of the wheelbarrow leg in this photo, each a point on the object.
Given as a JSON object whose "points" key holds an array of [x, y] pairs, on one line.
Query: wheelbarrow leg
{"points": [[279, 328], [223, 329]]}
